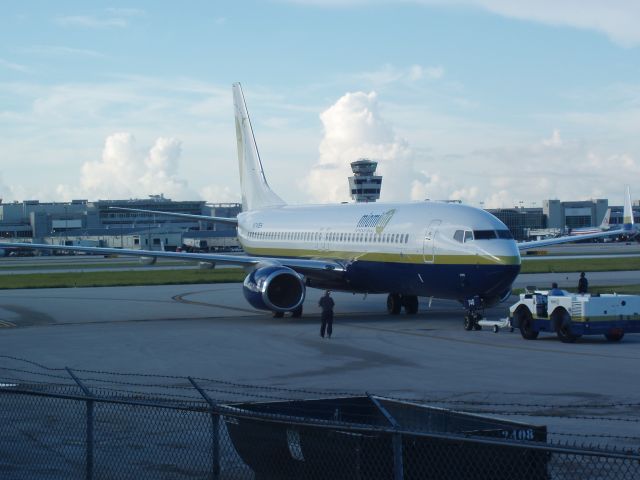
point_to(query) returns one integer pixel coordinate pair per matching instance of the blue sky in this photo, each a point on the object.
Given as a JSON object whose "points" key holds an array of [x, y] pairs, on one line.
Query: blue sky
{"points": [[489, 101]]}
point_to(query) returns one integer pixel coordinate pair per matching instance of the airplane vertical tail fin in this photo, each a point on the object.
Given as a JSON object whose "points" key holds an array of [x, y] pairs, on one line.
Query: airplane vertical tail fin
{"points": [[627, 213], [605, 221], [256, 193]]}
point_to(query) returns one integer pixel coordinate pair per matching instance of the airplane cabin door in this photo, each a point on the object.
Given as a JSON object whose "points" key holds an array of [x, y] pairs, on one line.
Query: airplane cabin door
{"points": [[429, 245]]}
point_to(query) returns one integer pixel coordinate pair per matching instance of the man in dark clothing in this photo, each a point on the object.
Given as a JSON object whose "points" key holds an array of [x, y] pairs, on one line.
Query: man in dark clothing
{"points": [[326, 304], [583, 284]]}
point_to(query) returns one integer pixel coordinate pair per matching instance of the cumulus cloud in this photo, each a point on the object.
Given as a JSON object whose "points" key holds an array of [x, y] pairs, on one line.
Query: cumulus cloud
{"points": [[498, 177], [219, 194], [530, 174], [10, 192], [554, 140], [353, 129], [126, 171]]}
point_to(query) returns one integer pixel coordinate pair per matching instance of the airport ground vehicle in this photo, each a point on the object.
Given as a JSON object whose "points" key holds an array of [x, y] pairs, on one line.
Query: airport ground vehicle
{"points": [[573, 315]]}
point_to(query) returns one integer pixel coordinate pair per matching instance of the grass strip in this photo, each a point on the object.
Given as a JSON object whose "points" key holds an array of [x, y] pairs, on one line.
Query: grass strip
{"points": [[580, 265], [106, 266], [117, 279]]}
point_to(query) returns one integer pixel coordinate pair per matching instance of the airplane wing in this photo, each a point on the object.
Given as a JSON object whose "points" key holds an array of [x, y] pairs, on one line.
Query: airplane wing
{"points": [[206, 218], [567, 239], [300, 265]]}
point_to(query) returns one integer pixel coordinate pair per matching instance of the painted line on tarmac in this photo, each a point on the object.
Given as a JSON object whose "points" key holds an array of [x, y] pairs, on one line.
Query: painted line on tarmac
{"points": [[477, 342], [181, 299]]}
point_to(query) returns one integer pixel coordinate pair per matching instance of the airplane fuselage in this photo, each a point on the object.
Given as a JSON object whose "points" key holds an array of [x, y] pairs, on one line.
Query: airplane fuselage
{"points": [[437, 249]]}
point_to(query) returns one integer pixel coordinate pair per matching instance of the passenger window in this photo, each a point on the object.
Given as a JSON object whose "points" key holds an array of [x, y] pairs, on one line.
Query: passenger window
{"points": [[459, 236]]}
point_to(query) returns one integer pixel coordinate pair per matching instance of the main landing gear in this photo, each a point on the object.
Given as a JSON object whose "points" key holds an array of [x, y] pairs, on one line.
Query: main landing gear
{"points": [[395, 302], [475, 309]]}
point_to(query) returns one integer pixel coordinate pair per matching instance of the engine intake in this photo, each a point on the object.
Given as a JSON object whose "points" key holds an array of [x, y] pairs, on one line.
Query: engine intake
{"points": [[274, 288]]}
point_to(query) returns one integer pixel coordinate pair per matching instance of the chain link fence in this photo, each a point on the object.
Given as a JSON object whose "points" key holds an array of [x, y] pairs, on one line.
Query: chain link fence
{"points": [[72, 423]]}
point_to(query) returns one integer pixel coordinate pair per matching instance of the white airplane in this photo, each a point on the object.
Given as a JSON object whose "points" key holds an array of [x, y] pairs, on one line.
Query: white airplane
{"points": [[604, 225], [628, 229], [407, 250]]}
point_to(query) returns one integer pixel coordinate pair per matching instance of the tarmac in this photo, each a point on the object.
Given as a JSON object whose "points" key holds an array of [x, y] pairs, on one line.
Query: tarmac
{"points": [[210, 331]]}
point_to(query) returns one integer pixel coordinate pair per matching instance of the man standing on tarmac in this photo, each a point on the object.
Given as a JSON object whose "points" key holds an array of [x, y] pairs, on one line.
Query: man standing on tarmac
{"points": [[583, 284], [326, 303]]}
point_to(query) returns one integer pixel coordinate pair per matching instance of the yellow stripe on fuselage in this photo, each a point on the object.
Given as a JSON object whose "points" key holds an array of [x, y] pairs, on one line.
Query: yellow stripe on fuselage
{"points": [[385, 257]]}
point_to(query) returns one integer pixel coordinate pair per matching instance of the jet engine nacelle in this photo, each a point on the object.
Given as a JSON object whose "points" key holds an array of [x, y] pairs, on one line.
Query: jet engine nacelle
{"points": [[274, 288], [147, 260]]}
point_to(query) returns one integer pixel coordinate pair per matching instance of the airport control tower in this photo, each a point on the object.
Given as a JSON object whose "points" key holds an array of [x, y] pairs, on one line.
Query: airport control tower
{"points": [[365, 185]]}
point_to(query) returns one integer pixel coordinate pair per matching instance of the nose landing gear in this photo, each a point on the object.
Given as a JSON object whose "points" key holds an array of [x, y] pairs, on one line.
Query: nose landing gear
{"points": [[475, 310]]}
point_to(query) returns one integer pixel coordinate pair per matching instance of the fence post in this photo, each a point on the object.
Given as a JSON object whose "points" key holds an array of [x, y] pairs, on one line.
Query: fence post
{"points": [[398, 467], [396, 439], [215, 430], [89, 440]]}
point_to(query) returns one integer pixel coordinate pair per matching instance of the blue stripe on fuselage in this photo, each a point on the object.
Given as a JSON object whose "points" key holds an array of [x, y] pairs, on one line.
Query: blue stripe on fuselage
{"points": [[431, 280]]}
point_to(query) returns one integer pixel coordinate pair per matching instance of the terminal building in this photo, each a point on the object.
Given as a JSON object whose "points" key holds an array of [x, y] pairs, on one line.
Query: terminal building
{"points": [[98, 223], [559, 218], [81, 222]]}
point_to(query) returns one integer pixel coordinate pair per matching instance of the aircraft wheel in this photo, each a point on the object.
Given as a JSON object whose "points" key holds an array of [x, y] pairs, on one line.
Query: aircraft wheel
{"points": [[297, 313], [468, 322], [615, 335], [394, 303], [563, 328], [410, 303], [278, 314], [524, 320]]}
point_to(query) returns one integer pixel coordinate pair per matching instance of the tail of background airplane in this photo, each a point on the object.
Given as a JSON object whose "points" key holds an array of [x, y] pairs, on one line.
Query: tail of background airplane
{"points": [[605, 221], [627, 213], [256, 193]]}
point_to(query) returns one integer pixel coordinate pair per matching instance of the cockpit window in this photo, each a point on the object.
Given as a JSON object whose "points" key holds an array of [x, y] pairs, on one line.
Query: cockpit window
{"points": [[504, 234], [484, 234], [468, 235], [459, 236]]}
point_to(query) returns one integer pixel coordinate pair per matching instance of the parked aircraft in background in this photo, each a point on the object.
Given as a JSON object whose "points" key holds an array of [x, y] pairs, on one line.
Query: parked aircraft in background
{"points": [[586, 230], [406, 250], [626, 230]]}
